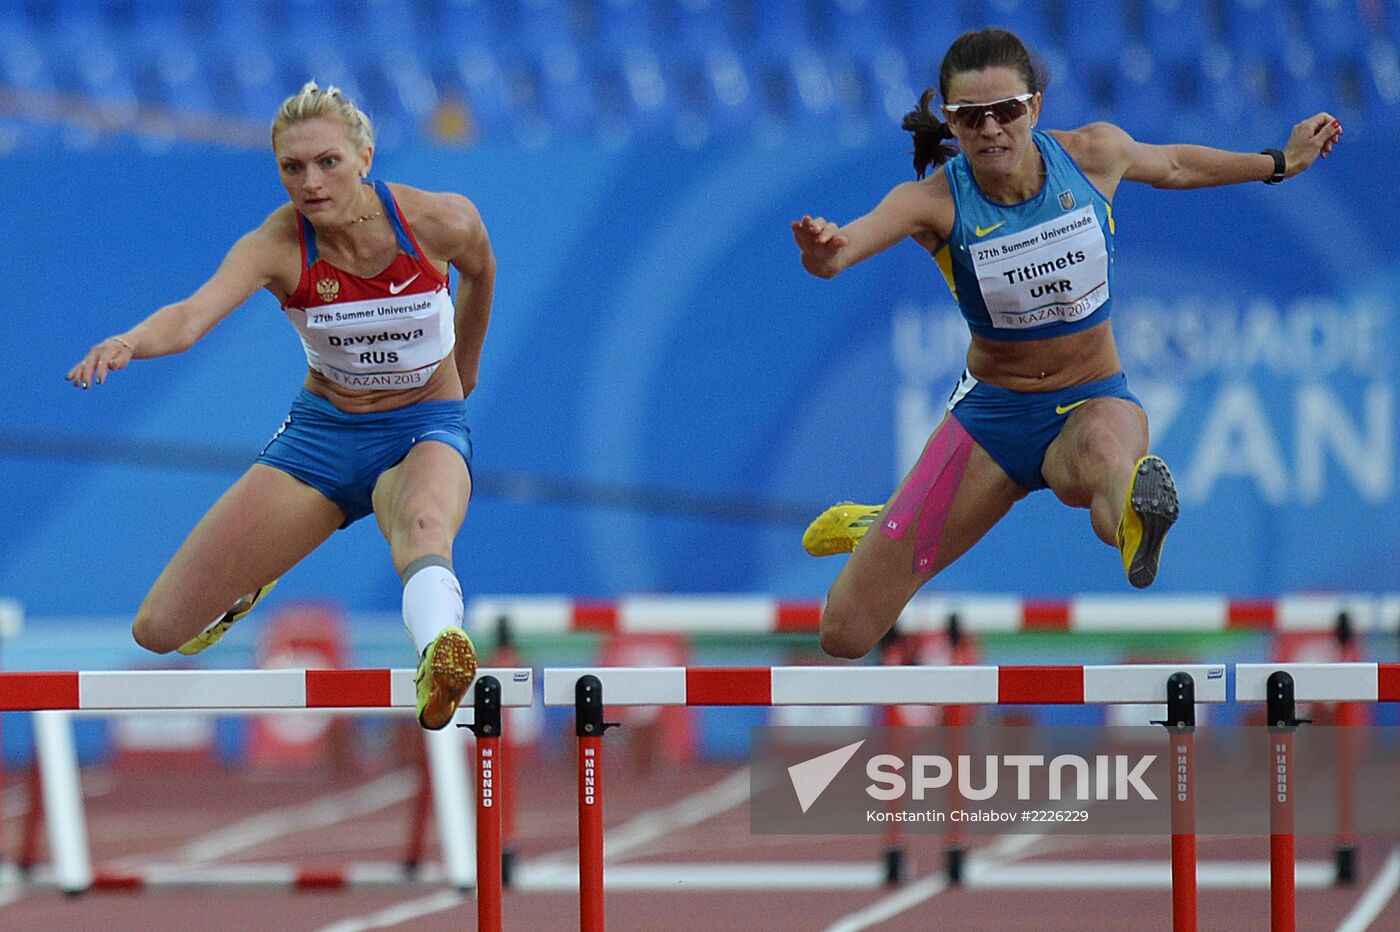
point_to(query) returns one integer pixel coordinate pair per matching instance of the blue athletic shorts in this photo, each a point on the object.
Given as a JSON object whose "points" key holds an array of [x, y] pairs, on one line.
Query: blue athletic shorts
{"points": [[1016, 428], [342, 455]]}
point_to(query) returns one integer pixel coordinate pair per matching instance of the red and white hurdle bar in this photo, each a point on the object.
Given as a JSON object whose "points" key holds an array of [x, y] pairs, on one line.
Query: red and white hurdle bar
{"points": [[1280, 686], [911, 685], [590, 690], [723, 614], [1343, 616], [55, 697], [227, 690]]}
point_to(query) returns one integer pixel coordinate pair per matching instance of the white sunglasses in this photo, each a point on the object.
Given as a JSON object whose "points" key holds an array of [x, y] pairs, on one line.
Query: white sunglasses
{"points": [[970, 116]]}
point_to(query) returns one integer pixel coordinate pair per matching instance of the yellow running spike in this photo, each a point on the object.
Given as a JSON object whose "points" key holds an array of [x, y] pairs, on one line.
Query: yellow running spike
{"points": [[211, 635], [1149, 512], [444, 673], [839, 528]]}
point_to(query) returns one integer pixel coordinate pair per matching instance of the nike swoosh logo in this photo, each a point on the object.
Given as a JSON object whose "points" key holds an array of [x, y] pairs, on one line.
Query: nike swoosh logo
{"points": [[983, 231], [395, 289], [1066, 409]]}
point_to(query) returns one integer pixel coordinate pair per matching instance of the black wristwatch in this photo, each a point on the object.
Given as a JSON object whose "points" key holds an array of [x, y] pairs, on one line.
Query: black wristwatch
{"points": [[1280, 166]]}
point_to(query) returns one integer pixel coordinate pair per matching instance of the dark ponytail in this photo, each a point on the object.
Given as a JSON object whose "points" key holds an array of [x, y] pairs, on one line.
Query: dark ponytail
{"points": [[929, 135], [971, 51]]}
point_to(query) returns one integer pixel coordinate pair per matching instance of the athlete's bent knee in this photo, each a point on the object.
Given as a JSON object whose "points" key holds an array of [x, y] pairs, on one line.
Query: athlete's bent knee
{"points": [[842, 646], [424, 529], [841, 641], [147, 633], [1101, 446]]}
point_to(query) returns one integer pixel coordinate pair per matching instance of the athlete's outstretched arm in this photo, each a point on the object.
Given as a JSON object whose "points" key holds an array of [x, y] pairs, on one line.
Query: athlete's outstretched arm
{"points": [[1184, 166], [911, 208], [178, 326]]}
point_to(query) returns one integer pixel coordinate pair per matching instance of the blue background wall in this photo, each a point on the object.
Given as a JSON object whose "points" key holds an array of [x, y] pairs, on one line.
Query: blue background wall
{"points": [[654, 328]]}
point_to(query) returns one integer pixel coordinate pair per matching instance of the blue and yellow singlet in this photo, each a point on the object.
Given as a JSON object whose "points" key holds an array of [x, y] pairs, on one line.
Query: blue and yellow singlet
{"points": [[1038, 269]]}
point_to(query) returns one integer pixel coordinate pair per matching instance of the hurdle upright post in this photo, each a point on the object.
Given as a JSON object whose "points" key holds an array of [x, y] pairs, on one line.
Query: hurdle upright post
{"points": [[505, 656], [448, 772], [1181, 738], [1281, 723], [486, 726], [56, 757], [894, 651], [1350, 718], [955, 717], [590, 727]]}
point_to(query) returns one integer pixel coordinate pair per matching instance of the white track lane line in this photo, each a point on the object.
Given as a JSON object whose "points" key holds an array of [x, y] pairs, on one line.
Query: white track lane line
{"points": [[13, 884], [729, 792], [635, 834], [638, 832], [1006, 848], [398, 914], [15, 801], [319, 813], [907, 898], [1377, 895]]}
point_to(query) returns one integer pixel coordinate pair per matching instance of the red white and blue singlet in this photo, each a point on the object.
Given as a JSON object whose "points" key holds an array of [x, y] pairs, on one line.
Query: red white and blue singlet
{"points": [[389, 331]]}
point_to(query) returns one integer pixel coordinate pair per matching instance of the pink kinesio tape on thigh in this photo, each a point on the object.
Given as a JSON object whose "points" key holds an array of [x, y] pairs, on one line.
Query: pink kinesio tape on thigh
{"points": [[930, 490]]}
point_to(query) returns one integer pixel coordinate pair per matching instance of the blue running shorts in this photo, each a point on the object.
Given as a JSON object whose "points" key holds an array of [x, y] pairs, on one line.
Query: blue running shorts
{"points": [[342, 455], [1016, 428]]}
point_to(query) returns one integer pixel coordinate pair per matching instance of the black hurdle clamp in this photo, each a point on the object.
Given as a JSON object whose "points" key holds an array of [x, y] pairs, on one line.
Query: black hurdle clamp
{"points": [[486, 698], [1279, 701], [588, 708], [1181, 702]]}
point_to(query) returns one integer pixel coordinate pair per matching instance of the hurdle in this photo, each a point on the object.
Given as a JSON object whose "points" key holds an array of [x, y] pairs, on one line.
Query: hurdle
{"points": [[1280, 686], [55, 697], [591, 690], [975, 614], [962, 617]]}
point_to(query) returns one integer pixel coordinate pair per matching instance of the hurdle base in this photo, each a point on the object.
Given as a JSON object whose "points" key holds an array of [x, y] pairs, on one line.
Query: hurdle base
{"points": [[955, 865], [895, 865], [293, 877], [508, 867], [741, 876], [1147, 875], [1346, 861]]}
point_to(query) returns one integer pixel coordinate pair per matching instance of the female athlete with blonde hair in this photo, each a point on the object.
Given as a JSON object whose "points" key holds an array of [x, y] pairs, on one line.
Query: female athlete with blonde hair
{"points": [[361, 269]]}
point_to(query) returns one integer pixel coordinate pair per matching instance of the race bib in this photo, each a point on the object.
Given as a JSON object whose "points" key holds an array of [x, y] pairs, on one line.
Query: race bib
{"points": [[1055, 272], [394, 342]]}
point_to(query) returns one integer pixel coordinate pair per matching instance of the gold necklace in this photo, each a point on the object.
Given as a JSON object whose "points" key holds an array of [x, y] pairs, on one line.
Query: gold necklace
{"points": [[365, 217]]}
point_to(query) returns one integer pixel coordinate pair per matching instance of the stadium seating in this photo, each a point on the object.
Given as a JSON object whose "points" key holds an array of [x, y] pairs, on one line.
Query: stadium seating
{"points": [[90, 72]]}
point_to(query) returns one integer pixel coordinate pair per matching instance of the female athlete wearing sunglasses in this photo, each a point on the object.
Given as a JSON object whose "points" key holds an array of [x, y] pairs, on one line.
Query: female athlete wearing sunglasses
{"points": [[1021, 223]]}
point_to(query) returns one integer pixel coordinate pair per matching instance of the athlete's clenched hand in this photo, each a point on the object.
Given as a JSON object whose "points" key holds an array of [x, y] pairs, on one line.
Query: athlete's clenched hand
{"points": [[1316, 136], [820, 240]]}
